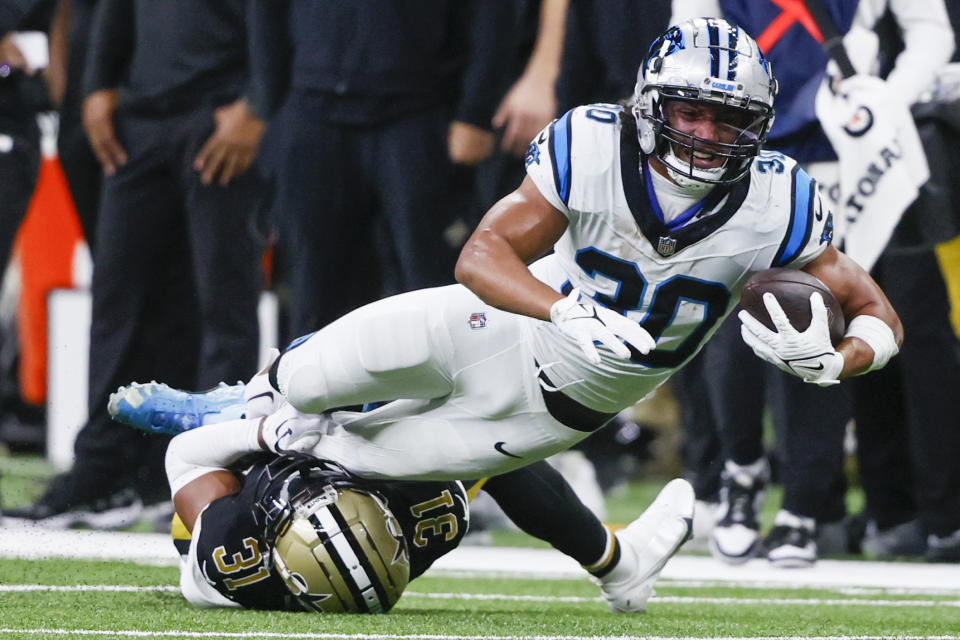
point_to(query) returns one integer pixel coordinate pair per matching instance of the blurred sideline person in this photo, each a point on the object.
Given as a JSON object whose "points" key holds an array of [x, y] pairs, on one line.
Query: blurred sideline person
{"points": [[69, 43], [600, 54], [810, 423], [530, 103], [24, 93], [177, 258], [377, 113], [657, 215]]}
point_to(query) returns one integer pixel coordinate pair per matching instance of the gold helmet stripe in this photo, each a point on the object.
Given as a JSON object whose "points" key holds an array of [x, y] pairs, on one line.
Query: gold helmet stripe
{"points": [[339, 536]]}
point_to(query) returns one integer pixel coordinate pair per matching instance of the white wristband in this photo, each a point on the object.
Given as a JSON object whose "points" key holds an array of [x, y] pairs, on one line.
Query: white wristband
{"points": [[878, 335]]}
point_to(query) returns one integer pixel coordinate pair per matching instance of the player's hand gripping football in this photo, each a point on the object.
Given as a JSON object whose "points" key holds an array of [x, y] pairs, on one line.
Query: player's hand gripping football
{"points": [[808, 354], [587, 323]]}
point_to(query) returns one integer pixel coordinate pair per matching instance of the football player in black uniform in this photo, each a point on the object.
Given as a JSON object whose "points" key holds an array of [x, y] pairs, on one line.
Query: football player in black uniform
{"points": [[293, 532], [304, 534]]}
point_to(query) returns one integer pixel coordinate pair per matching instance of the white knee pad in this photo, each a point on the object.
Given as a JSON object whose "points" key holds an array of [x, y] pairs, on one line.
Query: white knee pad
{"points": [[393, 339], [369, 355]]}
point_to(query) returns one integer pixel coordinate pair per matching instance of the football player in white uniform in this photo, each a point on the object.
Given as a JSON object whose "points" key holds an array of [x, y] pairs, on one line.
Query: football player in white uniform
{"points": [[657, 215]]}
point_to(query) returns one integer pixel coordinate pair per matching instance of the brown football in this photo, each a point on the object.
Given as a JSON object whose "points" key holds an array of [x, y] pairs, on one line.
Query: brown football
{"points": [[792, 289]]}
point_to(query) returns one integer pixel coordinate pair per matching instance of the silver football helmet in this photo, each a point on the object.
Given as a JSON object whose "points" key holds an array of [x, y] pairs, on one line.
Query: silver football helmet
{"points": [[336, 546], [705, 61]]}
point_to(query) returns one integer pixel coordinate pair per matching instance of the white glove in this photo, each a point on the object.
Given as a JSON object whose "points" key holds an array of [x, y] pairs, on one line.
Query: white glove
{"points": [[586, 323], [809, 355], [290, 430]]}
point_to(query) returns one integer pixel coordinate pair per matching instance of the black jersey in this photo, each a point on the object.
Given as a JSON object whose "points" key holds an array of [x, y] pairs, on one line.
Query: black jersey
{"points": [[234, 558]]}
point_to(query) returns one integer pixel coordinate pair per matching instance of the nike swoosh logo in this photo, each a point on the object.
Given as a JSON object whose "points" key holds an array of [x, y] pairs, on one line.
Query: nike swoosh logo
{"points": [[280, 435], [809, 367], [499, 447], [265, 394]]}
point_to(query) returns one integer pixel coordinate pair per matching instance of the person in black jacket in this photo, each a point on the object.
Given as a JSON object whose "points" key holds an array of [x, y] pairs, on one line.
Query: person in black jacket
{"points": [[69, 41], [177, 260], [375, 110], [23, 94]]}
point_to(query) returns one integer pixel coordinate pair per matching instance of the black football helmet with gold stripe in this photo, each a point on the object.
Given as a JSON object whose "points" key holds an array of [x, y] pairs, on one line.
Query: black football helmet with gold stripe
{"points": [[333, 540]]}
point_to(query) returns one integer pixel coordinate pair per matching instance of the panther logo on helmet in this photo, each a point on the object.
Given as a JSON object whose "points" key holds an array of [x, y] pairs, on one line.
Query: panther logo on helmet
{"points": [[705, 61]]}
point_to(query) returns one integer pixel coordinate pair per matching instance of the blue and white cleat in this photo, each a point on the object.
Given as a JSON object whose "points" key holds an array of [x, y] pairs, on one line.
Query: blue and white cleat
{"points": [[158, 408]]}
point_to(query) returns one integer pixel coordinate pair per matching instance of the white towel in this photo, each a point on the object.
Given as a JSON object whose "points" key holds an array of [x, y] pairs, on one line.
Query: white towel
{"points": [[882, 163]]}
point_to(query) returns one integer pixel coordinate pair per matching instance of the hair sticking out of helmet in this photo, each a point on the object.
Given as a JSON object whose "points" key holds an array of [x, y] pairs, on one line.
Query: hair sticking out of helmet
{"points": [[335, 544], [704, 101]]}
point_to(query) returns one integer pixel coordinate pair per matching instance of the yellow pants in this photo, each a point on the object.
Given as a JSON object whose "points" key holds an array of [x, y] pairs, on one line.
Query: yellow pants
{"points": [[948, 254]]}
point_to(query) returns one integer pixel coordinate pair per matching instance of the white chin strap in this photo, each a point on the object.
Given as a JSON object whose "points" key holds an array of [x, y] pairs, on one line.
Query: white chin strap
{"points": [[671, 160]]}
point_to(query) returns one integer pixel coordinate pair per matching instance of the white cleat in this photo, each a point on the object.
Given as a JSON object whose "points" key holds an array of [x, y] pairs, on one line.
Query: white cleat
{"points": [[648, 542]]}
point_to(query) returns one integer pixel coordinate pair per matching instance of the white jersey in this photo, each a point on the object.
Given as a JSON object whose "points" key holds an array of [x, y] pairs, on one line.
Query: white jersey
{"points": [[678, 280]]}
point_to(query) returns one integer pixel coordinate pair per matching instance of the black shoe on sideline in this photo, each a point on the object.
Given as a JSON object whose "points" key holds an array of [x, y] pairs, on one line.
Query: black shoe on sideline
{"points": [[61, 508]]}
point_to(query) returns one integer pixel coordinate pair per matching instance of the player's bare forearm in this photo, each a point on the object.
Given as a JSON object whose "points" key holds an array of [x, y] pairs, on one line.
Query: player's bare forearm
{"points": [[859, 295], [493, 263], [197, 494], [492, 270]]}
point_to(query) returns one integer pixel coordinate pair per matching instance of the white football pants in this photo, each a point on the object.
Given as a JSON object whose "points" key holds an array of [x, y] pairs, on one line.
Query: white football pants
{"points": [[461, 375]]}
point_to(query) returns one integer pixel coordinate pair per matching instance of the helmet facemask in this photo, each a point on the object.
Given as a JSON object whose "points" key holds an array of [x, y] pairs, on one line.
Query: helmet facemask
{"points": [[723, 157]]}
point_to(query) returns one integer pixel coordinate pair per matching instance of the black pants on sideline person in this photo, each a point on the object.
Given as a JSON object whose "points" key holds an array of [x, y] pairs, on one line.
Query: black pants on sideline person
{"points": [[906, 414], [176, 282], [335, 182]]}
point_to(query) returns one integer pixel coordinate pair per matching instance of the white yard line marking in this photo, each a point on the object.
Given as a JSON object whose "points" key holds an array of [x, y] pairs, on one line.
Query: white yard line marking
{"points": [[501, 562], [781, 586], [85, 587], [840, 602], [383, 636], [846, 602]]}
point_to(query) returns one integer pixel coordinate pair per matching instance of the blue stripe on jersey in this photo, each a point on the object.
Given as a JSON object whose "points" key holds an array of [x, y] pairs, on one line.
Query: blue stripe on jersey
{"points": [[714, 33], [560, 138], [801, 218], [296, 342]]}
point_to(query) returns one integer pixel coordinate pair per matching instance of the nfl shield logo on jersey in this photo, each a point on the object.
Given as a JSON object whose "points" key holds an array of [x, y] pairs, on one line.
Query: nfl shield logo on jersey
{"points": [[666, 246], [478, 320]]}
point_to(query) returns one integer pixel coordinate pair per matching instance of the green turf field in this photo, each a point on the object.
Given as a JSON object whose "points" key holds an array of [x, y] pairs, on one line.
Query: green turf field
{"points": [[111, 599], [71, 598]]}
